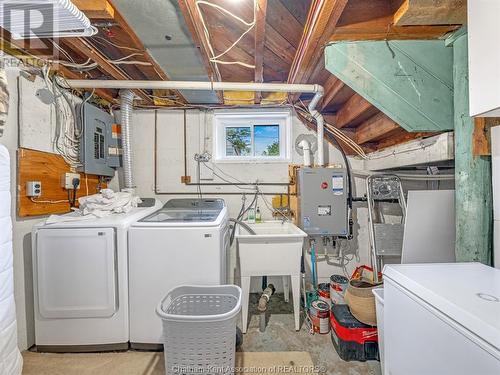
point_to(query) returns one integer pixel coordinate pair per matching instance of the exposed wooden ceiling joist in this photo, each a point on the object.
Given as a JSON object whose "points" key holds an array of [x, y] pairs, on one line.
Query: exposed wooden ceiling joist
{"points": [[321, 22], [96, 9], [82, 46], [431, 12], [194, 23], [260, 38], [355, 110], [374, 20], [332, 87], [375, 128]]}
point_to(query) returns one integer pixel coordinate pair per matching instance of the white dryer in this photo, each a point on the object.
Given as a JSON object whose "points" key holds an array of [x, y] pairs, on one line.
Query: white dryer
{"points": [[81, 282], [185, 242]]}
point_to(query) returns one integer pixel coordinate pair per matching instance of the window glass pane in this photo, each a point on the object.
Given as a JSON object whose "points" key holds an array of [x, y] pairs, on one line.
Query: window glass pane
{"points": [[267, 140], [238, 141]]}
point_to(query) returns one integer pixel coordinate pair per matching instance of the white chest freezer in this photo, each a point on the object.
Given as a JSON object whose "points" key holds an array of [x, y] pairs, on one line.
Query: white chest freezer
{"points": [[442, 319]]}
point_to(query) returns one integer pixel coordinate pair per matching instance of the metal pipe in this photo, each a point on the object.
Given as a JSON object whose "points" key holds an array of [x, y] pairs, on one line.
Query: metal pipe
{"points": [[215, 86], [127, 101], [320, 126]]}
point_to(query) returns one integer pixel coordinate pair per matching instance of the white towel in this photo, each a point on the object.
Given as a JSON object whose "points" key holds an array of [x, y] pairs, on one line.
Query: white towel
{"points": [[108, 202]]}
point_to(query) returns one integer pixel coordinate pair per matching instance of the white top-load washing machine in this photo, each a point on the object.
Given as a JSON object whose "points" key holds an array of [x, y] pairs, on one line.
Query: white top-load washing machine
{"points": [[81, 282], [185, 242]]}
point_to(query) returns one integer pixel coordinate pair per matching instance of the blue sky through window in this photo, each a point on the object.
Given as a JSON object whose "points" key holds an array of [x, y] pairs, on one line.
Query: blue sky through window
{"points": [[266, 140]]}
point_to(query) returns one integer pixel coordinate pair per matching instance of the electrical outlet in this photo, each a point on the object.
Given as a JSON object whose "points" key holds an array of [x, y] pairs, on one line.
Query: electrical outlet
{"points": [[33, 189], [67, 180]]}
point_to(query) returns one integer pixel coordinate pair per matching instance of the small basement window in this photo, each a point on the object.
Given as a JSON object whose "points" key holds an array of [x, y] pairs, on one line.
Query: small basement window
{"points": [[252, 135]]}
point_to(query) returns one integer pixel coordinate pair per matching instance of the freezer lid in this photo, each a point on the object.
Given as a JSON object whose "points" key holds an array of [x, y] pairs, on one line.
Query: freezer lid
{"points": [[468, 293]]}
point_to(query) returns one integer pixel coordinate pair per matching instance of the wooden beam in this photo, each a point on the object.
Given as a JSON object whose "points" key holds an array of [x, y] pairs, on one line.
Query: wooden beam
{"points": [[321, 22], [431, 12], [481, 138], [195, 26], [375, 128], [96, 9], [400, 136], [260, 38], [92, 53], [332, 87], [355, 110], [384, 29]]}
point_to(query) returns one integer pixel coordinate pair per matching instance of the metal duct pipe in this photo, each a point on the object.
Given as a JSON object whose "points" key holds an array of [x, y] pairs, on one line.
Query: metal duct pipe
{"points": [[215, 86], [320, 126], [127, 101]]}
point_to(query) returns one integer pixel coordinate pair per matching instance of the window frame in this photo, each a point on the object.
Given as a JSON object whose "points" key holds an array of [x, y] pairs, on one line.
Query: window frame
{"points": [[233, 118]]}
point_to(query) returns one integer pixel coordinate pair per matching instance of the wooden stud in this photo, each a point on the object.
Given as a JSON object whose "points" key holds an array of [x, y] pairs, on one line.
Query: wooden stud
{"points": [[96, 9], [375, 128], [260, 38]]}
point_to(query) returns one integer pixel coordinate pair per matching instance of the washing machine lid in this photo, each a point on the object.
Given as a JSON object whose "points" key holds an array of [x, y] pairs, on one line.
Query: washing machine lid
{"points": [[468, 293], [187, 211]]}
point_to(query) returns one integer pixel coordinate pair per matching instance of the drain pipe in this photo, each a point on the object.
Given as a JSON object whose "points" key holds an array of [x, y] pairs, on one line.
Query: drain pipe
{"points": [[127, 101], [306, 149], [317, 90]]}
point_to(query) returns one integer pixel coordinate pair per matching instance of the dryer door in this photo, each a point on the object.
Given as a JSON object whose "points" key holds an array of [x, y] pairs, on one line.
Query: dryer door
{"points": [[76, 273]]}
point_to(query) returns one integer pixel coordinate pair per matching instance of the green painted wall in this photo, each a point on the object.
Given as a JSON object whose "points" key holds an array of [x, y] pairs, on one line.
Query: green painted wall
{"points": [[474, 206], [410, 81]]}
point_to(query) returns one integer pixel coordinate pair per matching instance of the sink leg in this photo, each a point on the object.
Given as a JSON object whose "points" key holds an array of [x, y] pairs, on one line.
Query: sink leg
{"points": [[296, 300], [286, 288], [245, 294]]}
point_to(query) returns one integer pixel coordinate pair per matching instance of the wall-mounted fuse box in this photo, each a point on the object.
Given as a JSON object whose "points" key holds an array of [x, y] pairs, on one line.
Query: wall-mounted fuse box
{"points": [[100, 147], [323, 201]]}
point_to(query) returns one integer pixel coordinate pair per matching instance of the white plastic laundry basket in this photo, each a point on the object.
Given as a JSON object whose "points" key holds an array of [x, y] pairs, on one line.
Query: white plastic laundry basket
{"points": [[199, 328], [379, 307]]}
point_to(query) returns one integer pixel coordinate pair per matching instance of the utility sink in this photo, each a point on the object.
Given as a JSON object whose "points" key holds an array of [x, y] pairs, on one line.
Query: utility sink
{"points": [[274, 250], [270, 232]]}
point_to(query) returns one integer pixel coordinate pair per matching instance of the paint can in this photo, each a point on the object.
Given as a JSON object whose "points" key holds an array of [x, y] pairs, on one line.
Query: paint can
{"points": [[338, 286], [320, 317], [324, 293]]}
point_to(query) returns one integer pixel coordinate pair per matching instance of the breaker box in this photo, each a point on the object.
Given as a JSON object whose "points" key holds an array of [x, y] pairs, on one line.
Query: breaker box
{"points": [[322, 202], [100, 145]]}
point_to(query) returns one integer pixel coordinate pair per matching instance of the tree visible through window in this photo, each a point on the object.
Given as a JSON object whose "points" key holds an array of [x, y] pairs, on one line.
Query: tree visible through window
{"points": [[265, 140], [238, 141]]}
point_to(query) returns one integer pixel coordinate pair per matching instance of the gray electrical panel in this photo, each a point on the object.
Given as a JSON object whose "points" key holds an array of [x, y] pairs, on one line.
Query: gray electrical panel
{"points": [[100, 145], [323, 201]]}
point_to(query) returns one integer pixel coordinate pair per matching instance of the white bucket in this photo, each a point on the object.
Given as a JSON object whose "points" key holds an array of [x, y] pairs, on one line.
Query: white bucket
{"points": [[379, 307]]}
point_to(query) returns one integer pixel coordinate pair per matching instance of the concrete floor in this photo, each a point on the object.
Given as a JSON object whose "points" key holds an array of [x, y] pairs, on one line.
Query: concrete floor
{"points": [[280, 336]]}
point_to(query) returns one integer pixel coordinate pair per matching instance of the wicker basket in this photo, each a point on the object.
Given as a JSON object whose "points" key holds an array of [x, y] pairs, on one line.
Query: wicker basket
{"points": [[199, 328]]}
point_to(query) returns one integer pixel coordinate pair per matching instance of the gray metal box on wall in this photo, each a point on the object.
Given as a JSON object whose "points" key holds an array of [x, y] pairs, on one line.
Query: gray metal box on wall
{"points": [[100, 144], [323, 201]]}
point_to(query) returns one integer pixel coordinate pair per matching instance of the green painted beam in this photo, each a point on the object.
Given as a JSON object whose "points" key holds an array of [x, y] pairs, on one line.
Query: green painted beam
{"points": [[474, 202], [410, 81]]}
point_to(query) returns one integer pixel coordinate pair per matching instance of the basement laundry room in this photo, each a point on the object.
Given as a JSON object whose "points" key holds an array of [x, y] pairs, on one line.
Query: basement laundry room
{"points": [[249, 187]]}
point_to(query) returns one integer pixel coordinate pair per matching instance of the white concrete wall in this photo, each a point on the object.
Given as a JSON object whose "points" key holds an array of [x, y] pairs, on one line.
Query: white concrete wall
{"points": [[170, 168], [23, 284]]}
